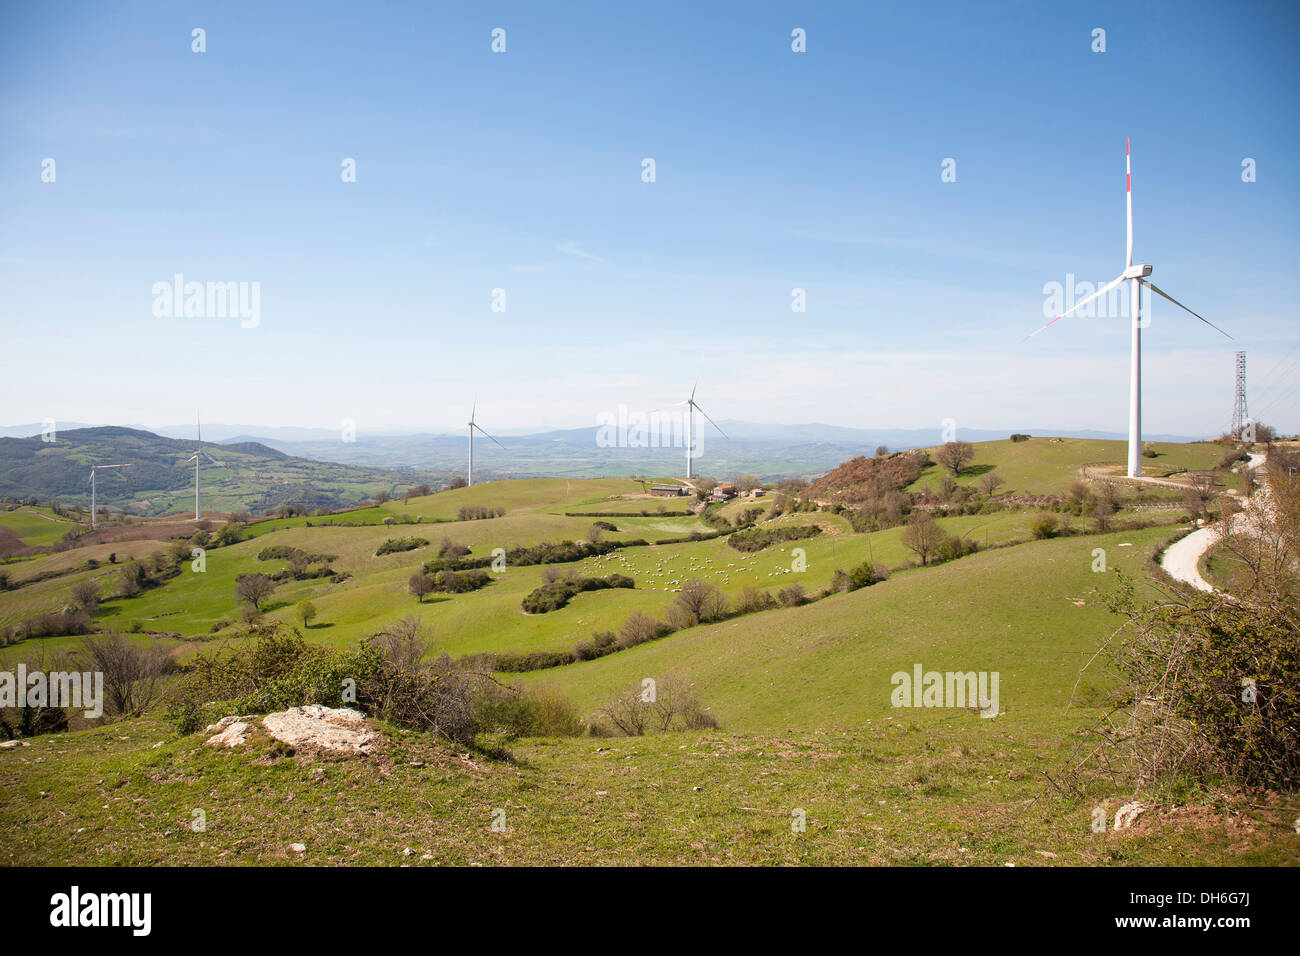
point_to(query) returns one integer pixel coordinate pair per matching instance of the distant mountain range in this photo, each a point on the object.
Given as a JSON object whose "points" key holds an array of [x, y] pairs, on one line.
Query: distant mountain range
{"points": [[304, 457], [160, 480]]}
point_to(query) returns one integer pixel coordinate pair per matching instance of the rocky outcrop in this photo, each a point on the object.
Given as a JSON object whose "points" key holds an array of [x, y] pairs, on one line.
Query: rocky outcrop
{"points": [[338, 730]]}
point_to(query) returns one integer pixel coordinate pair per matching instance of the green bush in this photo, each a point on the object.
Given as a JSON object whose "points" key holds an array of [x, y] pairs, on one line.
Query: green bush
{"points": [[395, 545], [758, 538]]}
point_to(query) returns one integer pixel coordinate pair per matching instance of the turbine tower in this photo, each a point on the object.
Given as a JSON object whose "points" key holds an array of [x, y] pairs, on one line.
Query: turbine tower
{"points": [[691, 406], [199, 452], [1136, 275], [94, 515], [469, 474], [1239, 413]]}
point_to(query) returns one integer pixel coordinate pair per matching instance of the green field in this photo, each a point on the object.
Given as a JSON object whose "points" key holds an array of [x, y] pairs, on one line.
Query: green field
{"points": [[801, 695]]}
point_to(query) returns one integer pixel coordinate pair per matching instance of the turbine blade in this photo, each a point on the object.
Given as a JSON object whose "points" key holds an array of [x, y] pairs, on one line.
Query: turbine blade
{"points": [[693, 388], [1158, 291], [713, 423], [213, 460], [1082, 302], [1128, 177], [486, 435], [656, 411]]}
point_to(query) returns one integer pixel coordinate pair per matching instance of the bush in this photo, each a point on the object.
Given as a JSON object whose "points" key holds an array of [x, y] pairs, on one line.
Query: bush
{"points": [[55, 624], [395, 545], [555, 594], [756, 539], [864, 575], [1019, 437], [754, 599], [698, 602], [460, 582], [952, 547], [667, 705], [791, 596], [1044, 526]]}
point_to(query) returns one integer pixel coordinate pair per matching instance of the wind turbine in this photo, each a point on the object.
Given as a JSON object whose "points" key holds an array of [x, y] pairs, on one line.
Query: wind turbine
{"points": [[469, 474], [691, 406], [199, 453], [94, 515], [1136, 276]]}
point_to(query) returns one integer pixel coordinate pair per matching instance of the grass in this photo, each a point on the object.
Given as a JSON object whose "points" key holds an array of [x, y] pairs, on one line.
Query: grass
{"points": [[1043, 466], [802, 696]]}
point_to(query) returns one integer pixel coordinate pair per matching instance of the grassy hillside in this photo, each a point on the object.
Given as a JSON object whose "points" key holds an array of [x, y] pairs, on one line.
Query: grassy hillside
{"points": [[802, 696], [1043, 466]]}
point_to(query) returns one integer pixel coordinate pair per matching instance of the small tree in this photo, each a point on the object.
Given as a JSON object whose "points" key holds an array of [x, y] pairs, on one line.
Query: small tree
{"points": [[254, 589], [955, 455], [700, 602], [306, 613], [882, 451], [922, 534], [421, 584], [85, 597], [990, 483]]}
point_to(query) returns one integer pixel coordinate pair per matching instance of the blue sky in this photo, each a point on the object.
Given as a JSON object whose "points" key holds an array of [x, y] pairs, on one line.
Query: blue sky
{"points": [[522, 171]]}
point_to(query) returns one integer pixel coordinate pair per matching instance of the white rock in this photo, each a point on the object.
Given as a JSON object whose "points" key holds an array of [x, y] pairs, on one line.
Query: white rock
{"points": [[341, 729], [223, 723], [298, 847], [1127, 815], [232, 735]]}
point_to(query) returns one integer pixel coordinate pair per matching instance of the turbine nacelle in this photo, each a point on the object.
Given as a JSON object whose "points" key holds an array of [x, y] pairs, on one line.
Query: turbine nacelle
{"points": [[1136, 272]]}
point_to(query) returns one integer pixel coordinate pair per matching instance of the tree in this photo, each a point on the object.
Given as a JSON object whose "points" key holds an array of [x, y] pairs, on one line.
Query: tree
{"points": [[381, 497], [882, 451], [700, 602], [922, 534], [990, 483], [306, 613], [420, 585], [947, 487], [704, 487], [1199, 494], [254, 589], [85, 596], [955, 455], [457, 482], [133, 675], [595, 533]]}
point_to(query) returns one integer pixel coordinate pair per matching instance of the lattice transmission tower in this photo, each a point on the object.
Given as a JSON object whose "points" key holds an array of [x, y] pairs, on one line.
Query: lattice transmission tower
{"points": [[1239, 414]]}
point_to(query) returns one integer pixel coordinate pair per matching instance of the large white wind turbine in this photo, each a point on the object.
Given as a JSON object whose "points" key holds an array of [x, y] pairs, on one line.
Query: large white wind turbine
{"points": [[94, 516], [691, 406], [469, 474], [199, 453], [1136, 276]]}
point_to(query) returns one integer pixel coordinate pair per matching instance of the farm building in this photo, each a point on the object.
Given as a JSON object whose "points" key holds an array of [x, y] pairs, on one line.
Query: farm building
{"points": [[667, 491]]}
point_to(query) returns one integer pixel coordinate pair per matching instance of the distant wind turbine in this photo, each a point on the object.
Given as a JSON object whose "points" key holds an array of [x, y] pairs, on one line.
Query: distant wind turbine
{"points": [[199, 453], [1136, 275], [94, 515], [469, 474], [691, 406]]}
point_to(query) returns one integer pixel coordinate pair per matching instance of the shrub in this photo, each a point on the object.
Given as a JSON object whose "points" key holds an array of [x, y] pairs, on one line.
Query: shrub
{"points": [[1019, 437], [791, 596], [754, 599], [758, 538], [637, 629], [395, 545], [1044, 526], [555, 594], [133, 675], [460, 582], [698, 602]]}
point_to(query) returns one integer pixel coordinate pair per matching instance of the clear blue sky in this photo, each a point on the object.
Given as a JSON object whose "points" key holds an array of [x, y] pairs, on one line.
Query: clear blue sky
{"points": [[522, 171]]}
